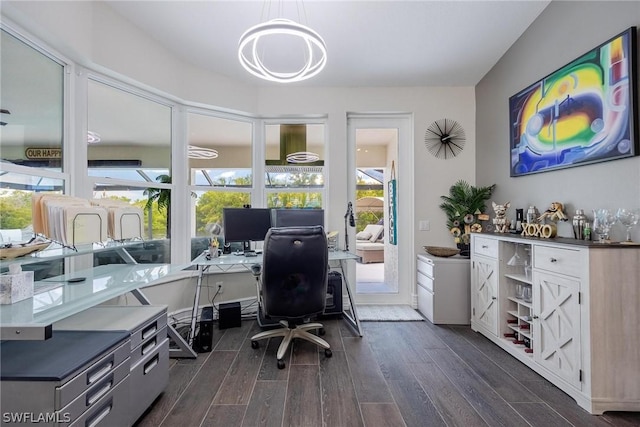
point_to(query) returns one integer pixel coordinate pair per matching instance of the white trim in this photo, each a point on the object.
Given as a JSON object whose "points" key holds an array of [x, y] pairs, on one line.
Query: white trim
{"points": [[405, 175]]}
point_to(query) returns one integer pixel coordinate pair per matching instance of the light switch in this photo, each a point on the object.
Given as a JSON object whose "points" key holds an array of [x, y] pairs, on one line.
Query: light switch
{"points": [[424, 225]]}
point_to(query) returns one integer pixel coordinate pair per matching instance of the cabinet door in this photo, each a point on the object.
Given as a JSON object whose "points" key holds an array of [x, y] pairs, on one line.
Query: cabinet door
{"points": [[556, 331], [484, 292]]}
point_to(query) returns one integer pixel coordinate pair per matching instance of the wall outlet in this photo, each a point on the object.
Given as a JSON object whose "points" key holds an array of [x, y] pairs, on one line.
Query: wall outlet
{"points": [[424, 225], [219, 287]]}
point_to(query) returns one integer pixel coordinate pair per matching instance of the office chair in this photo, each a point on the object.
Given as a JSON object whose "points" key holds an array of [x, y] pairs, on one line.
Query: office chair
{"points": [[293, 285]]}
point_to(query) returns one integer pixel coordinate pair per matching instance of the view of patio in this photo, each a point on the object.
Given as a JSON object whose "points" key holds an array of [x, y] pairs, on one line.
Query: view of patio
{"points": [[370, 278]]}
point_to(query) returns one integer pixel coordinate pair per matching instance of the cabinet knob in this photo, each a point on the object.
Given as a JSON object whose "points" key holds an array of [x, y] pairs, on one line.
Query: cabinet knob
{"points": [[553, 260]]}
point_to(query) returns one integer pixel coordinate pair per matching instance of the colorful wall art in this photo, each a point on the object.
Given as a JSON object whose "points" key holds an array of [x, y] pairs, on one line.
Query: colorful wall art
{"points": [[582, 113]]}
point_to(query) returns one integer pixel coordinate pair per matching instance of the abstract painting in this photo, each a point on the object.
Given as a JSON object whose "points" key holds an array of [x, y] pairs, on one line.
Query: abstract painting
{"points": [[582, 113]]}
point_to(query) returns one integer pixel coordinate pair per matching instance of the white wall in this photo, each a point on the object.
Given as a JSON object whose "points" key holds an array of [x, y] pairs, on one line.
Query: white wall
{"points": [[432, 177], [564, 31]]}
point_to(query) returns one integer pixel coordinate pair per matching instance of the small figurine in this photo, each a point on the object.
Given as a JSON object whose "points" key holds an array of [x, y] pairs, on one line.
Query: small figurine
{"points": [[554, 213], [501, 222]]}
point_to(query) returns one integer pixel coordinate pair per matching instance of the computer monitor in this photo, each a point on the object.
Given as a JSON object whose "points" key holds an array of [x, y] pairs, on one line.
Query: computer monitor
{"points": [[297, 217], [245, 225]]}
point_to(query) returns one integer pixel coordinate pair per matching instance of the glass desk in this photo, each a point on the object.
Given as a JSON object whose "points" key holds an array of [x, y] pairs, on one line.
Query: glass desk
{"points": [[225, 263], [56, 298]]}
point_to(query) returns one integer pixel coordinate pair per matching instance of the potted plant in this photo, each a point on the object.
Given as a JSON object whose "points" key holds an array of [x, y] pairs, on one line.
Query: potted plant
{"points": [[462, 206]]}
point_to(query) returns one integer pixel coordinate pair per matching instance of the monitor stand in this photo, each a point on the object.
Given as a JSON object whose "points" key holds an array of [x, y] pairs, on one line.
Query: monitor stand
{"points": [[246, 247]]}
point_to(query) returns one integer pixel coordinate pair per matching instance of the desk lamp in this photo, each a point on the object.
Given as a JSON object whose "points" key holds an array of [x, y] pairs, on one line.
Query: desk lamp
{"points": [[352, 222]]}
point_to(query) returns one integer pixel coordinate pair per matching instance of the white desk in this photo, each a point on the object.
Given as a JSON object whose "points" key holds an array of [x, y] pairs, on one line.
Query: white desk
{"points": [[225, 262]]}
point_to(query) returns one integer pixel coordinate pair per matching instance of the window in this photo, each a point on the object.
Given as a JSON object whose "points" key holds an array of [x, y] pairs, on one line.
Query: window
{"points": [[127, 134], [123, 145], [294, 165], [220, 152], [129, 159], [32, 105], [32, 84]]}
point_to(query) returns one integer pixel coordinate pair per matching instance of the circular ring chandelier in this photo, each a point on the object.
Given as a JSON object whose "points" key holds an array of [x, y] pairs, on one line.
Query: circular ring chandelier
{"points": [[302, 157], [196, 152], [250, 60]]}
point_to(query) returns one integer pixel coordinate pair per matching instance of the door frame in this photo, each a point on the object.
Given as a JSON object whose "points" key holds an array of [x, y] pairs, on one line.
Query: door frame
{"points": [[404, 169]]}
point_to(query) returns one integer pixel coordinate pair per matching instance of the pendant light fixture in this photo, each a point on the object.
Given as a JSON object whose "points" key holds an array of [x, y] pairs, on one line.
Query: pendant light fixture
{"points": [[196, 152], [252, 50]]}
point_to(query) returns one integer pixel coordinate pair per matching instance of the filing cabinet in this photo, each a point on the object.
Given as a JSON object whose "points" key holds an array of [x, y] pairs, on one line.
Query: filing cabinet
{"points": [[72, 376], [443, 289], [149, 349]]}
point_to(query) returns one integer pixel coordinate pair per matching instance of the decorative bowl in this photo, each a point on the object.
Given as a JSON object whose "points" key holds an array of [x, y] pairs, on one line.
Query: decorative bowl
{"points": [[22, 250], [441, 251]]}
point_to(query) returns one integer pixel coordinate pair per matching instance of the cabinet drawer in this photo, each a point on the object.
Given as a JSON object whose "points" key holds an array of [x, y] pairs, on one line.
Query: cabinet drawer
{"points": [[425, 281], [98, 390], [425, 303], [425, 266], [557, 260], [149, 329], [94, 374], [148, 379], [485, 246], [111, 410], [148, 346]]}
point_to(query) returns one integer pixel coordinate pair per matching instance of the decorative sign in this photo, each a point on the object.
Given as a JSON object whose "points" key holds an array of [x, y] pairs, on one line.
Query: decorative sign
{"points": [[37, 153], [393, 210], [539, 230]]}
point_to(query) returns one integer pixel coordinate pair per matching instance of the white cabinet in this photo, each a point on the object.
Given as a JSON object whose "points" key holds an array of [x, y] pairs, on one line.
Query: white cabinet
{"points": [[568, 309], [557, 326], [443, 289], [484, 294]]}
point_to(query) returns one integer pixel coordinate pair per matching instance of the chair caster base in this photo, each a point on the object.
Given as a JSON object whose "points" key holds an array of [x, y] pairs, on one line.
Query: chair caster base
{"points": [[280, 364], [255, 344], [328, 353]]}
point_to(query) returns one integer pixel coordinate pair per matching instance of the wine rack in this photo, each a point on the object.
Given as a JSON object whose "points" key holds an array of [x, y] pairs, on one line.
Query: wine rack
{"points": [[518, 309]]}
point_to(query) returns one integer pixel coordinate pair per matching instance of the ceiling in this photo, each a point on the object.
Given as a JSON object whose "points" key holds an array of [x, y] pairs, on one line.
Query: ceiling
{"points": [[369, 43]]}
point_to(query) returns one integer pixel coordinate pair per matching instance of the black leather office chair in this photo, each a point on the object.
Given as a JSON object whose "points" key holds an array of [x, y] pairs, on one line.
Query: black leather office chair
{"points": [[293, 285]]}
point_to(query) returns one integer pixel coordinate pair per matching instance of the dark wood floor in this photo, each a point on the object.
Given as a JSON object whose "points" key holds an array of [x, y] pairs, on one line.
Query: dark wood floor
{"points": [[398, 374]]}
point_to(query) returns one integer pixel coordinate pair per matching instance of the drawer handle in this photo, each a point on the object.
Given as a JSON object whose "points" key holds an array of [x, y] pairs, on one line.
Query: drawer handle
{"points": [[146, 348], [151, 364], [485, 246], [494, 298], [553, 260], [535, 317], [100, 415], [147, 332], [100, 371], [102, 390]]}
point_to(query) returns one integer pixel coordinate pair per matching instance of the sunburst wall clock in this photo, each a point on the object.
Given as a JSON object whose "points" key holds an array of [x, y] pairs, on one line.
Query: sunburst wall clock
{"points": [[445, 138]]}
